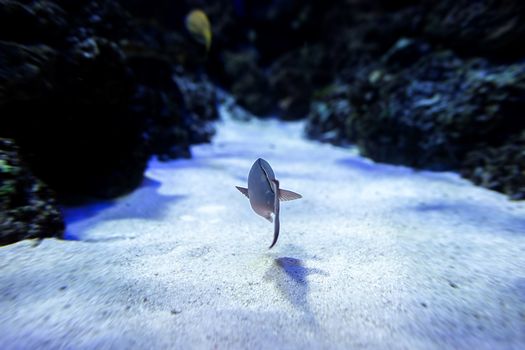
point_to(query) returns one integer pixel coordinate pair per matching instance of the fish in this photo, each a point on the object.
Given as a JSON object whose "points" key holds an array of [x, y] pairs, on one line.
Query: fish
{"points": [[265, 194], [199, 27]]}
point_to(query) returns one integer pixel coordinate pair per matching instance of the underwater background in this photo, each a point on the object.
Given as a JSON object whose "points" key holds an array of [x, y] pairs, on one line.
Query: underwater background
{"points": [[126, 125]]}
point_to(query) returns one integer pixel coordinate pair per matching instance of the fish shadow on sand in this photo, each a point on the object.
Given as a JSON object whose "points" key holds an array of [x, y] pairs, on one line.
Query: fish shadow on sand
{"points": [[290, 276]]}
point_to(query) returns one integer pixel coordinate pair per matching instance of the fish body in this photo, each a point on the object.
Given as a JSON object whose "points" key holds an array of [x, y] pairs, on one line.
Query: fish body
{"points": [[260, 189], [265, 194]]}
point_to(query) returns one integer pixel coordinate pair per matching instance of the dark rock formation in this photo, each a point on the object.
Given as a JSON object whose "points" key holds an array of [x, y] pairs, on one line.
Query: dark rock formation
{"points": [[434, 112], [488, 28], [436, 85], [250, 85], [499, 168], [68, 111], [441, 113], [300, 46], [292, 78], [28, 207], [90, 89], [180, 115], [329, 114], [87, 92], [32, 22], [178, 108]]}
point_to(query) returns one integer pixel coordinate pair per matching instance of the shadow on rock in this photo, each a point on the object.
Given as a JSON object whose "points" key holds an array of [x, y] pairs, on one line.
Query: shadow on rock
{"points": [[144, 203]]}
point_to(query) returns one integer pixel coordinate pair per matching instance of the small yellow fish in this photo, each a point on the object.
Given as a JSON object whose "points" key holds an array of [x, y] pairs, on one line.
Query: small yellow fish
{"points": [[199, 27]]}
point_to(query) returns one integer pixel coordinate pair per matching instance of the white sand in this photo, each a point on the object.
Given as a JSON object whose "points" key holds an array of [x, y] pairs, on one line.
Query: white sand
{"points": [[373, 256]]}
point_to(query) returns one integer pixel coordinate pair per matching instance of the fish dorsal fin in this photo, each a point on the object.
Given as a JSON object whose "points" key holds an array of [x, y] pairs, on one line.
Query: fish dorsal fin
{"points": [[285, 195], [243, 191]]}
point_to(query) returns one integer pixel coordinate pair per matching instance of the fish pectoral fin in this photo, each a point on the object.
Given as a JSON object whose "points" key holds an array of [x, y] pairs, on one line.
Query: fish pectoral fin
{"points": [[243, 191], [285, 195]]}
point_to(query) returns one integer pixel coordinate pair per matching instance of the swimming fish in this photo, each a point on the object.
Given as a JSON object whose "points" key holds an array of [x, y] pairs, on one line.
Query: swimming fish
{"points": [[199, 27], [264, 194]]}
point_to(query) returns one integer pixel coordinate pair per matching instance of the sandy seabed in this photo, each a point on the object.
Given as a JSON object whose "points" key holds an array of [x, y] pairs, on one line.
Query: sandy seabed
{"points": [[374, 256]]}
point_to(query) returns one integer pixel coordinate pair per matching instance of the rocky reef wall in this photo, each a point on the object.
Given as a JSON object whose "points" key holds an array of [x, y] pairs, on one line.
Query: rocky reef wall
{"points": [[89, 92], [91, 89], [434, 85]]}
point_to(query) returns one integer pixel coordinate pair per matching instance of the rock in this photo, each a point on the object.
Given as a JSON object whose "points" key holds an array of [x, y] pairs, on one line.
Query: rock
{"points": [[199, 105], [292, 78], [437, 112], [299, 47], [250, 85], [32, 23], [69, 113], [284, 89], [412, 100], [489, 28], [328, 115], [278, 27], [445, 113], [433, 113], [178, 116], [174, 96], [26, 73], [405, 52], [499, 168], [28, 208], [356, 34], [89, 107], [178, 108], [66, 102]]}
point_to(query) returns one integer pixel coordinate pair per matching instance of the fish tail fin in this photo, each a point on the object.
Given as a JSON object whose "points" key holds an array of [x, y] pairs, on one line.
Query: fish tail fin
{"points": [[275, 231], [276, 209]]}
